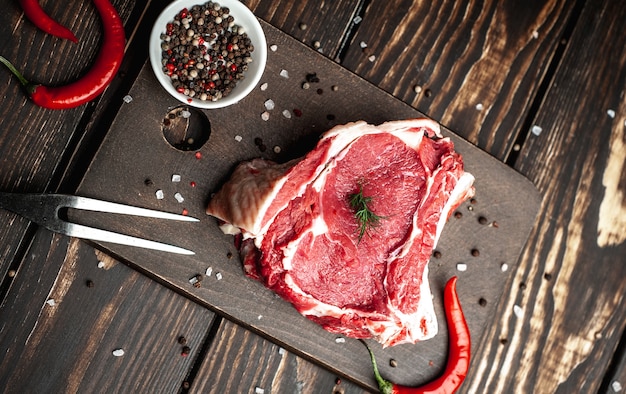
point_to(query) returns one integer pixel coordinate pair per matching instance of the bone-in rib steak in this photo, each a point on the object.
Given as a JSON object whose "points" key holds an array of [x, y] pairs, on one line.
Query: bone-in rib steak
{"points": [[301, 237]]}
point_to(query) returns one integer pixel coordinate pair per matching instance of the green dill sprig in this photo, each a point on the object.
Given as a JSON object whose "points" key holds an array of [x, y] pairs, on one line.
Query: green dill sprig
{"points": [[364, 216]]}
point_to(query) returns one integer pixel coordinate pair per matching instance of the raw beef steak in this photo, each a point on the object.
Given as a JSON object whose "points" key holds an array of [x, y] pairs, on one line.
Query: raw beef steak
{"points": [[302, 240]]}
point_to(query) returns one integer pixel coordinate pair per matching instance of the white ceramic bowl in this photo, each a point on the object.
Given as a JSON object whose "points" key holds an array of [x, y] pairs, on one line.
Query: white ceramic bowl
{"points": [[244, 18]]}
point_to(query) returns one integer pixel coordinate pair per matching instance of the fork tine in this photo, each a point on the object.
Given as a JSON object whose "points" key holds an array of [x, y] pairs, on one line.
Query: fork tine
{"points": [[94, 234], [91, 204]]}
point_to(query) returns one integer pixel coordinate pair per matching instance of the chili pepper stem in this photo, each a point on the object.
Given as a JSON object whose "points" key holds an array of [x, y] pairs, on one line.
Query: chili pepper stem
{"points": [[29, 86], [385, 386]]}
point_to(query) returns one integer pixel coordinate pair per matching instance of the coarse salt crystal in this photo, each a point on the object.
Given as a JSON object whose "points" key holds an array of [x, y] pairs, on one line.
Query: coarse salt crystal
{"points": [[193, 280], [611, 113], [518, 311], [616, 386], [371, 58], [357, 19], [238, 138], [536, 130], [128, 98], [269, 104], [259, 317], [265, 116], [176, 178], [461, 267], [363, 44], [209, 271], [284, 73], [504, 267], [185, 113], [259, 390], [340, 340], [159, 194], [479, 107], [218, 276], [287, 114], [118, 352], [282, 351], [51, 302], [179, 197], [273, 47], [264, 86], [535, 34], [100, 264]]}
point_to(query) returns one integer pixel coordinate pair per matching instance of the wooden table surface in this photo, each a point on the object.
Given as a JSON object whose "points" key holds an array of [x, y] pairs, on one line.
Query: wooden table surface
{"points": [[539, 86]]}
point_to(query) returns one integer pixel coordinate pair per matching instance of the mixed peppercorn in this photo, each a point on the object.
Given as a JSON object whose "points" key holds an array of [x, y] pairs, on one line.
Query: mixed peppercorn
{"points": [[204, 52]]}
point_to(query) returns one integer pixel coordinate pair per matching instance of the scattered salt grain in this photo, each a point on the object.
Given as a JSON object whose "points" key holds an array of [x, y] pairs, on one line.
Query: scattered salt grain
{"points": [[118, 352], [282, 351], [357, 19], [616, 386], [238, 138], [193, 280], [417, 89], [179, 197], [518, 311], [504, 267], [218, 276], [269, 104], [159, 194], [273, 47], [265, 116], [284, 73], [185, 114], [128, 98], [259, 390], [461, 267], [259, 317], [100, 264], [611, 113], [479, 107], [175, 178], [287, 114], [51, 302], [363, 44], [340, 340], [209, 271], [535, 34], [264, 86], [371, 58], [536, 130]]}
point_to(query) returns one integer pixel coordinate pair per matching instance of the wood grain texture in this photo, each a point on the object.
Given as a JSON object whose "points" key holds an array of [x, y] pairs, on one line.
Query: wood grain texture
{"points": [[239, 361], [571, 280], [57, 332], [463, 55], [325, 22]]}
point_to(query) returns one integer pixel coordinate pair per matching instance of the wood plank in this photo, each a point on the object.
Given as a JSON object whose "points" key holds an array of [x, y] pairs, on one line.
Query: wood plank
{"points": [[326, 23], [570, 282], [239, 361], [456, 52], [58, 331], [135, 150]]}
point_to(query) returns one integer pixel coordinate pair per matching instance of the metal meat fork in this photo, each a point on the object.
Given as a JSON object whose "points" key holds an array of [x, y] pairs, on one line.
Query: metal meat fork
{"points": [[43, 209]]}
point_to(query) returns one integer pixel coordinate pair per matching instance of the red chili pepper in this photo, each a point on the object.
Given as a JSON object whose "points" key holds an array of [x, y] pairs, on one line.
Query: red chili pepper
{"points": [[458, 352], [102, 72], [36, 14]]}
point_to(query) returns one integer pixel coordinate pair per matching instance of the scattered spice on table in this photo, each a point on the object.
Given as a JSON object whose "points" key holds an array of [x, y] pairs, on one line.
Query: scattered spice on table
{"points": [[33, 11], [99, 76], [204, 52]]}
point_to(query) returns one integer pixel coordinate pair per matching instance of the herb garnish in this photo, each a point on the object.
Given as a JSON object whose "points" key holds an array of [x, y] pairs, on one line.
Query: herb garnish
{"points": [[366, 219]]}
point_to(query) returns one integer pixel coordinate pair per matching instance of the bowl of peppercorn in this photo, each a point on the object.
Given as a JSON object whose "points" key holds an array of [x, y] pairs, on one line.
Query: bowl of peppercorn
{"points": [[208, 54]]}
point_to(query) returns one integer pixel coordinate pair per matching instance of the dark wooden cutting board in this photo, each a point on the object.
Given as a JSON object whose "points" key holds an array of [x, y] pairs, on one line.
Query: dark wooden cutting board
{"points": [[136, 160]]}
